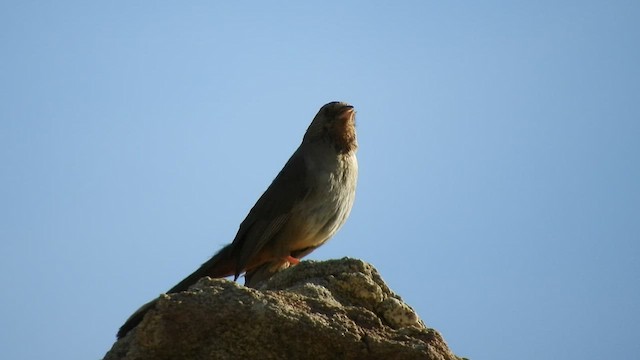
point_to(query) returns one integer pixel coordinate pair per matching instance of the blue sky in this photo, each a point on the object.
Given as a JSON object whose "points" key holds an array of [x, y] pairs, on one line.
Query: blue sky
{"points": [[499, 176]]}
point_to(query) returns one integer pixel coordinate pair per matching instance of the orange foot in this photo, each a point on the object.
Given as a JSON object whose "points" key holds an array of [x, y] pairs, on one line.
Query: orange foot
{"points": [[292, 260]]}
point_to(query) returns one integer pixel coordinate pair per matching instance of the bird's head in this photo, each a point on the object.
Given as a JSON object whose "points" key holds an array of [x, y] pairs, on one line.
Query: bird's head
{"points": [[334, 123]]}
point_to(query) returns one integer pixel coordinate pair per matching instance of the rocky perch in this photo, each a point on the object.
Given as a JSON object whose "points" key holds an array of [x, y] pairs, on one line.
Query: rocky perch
{"points": [[336, 309]]}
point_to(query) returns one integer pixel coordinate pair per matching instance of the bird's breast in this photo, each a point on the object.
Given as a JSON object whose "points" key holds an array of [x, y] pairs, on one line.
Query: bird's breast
{"points": [[328, 204]]}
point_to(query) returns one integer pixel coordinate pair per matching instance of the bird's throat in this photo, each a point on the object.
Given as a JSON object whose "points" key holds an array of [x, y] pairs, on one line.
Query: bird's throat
{"points": [[343, 133]]}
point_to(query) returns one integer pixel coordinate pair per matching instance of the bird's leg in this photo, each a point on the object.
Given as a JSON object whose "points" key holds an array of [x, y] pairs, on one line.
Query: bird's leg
{"points": [[291, 260]]}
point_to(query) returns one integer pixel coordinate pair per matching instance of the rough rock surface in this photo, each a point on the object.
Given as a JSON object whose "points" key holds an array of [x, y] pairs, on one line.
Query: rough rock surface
{"points": [[337, 309]]}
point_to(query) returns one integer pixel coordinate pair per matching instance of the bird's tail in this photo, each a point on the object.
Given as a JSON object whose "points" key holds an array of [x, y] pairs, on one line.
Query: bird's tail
{"points": [[220, 265], [136, 318]]}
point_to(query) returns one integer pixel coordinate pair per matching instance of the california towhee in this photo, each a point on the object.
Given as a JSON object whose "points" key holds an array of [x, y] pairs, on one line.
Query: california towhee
{"points": [[304, 206]]}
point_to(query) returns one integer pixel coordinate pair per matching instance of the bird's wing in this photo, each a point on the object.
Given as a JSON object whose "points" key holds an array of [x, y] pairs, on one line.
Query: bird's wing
{"points": [[271, 212]]}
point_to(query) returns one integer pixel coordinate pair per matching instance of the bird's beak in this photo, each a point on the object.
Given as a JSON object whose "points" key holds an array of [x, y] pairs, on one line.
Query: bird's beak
{"points": [[348, 113]]}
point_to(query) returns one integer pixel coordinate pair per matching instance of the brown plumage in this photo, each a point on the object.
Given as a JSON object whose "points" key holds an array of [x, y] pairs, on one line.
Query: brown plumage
{"points": [[304, 206]]}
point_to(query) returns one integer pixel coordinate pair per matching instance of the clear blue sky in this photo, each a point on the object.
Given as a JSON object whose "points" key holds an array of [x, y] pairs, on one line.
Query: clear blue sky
{"points": [[499, 160]]}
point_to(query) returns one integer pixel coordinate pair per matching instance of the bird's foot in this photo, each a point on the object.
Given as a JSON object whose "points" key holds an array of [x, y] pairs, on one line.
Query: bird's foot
{"points": [[292, 260]]}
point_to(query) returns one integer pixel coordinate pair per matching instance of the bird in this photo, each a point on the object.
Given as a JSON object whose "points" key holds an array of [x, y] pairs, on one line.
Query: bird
{"points": [[305, 205]]}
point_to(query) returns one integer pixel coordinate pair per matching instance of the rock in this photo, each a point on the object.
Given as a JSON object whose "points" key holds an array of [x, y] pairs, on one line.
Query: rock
{"points": [[337, 309]]}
